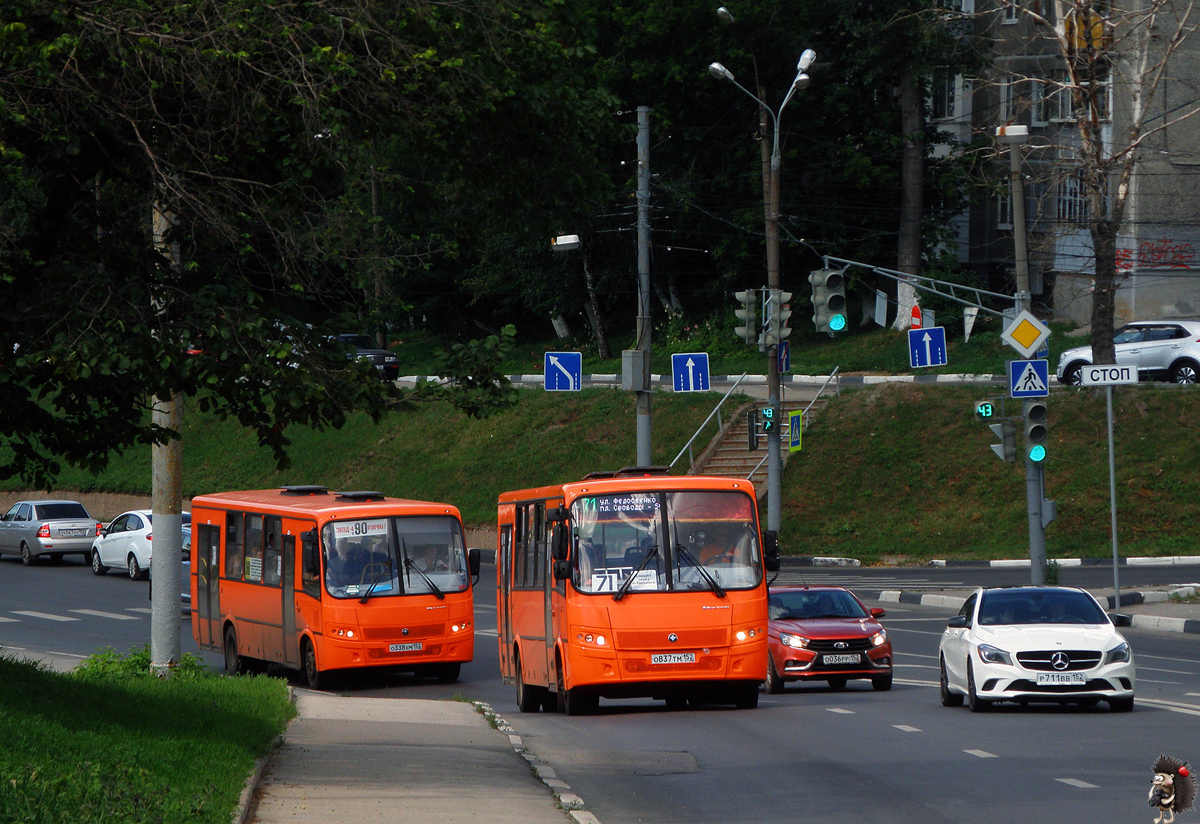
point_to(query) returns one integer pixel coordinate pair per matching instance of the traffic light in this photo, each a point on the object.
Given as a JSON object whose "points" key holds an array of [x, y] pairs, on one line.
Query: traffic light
{"points": [[752, 429], [779, 317], [770, 421], [985, 410], [829, 299], [1006, 431], [1035, 430], [748, 331]]}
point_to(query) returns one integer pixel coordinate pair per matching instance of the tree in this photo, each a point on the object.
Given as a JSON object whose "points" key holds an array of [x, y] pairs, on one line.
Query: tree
{"points": [[1125, 86], [245, 122]]}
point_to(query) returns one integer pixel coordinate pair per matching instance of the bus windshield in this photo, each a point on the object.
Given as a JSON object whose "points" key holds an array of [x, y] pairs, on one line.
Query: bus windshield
{"points": [[381, 557], [664, 541]]}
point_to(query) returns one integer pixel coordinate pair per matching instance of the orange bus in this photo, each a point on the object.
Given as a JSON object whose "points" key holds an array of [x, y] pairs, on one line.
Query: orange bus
{"points": [[629, 584], [321, 581]]}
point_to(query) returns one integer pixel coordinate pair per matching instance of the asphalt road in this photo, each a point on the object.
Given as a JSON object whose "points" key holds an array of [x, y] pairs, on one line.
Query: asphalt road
{"points": [[811, 754]]}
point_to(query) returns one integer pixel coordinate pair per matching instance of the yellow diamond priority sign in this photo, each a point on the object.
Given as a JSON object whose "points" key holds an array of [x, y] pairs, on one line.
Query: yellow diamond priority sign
{"points": [[1026, 334]]}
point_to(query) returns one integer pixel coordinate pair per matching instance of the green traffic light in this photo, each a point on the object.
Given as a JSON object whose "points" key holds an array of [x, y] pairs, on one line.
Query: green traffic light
{"points": [[1037, 453], [837, 323]]}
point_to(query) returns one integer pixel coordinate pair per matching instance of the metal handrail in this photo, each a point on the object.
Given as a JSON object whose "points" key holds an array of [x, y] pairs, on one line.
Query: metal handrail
{"points": [[803, 415], [716, 411]]}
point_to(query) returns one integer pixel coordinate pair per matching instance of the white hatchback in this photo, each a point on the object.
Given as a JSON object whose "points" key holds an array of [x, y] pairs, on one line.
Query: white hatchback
{"points": [[1035, 644]]}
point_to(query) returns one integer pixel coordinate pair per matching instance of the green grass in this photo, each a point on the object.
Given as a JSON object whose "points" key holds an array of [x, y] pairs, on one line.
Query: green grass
{"points": [[110, 743]]}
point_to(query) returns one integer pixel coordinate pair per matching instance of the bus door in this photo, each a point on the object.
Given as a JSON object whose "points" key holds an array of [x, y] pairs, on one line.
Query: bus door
{"points": [[503, 599], [545, 579], [291, 644], [208, 578]]}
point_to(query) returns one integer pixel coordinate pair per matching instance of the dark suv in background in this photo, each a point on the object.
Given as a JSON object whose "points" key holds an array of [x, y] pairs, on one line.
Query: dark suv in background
{"points": [[385, 362]]}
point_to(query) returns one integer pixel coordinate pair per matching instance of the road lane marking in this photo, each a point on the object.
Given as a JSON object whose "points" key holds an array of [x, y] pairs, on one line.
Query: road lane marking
{"points": [[1075, 782], [4, 620], [97, 613], [1152, 681], [905, 728], [1187, 709], [47, 616], [981, 753], [839, 711], [144, 610]]}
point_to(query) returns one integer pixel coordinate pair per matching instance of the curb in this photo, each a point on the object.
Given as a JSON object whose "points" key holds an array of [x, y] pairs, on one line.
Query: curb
{"points": [[1172, 560]]}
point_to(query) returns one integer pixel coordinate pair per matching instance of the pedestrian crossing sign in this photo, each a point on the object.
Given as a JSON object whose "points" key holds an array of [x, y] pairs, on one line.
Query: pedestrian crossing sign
{"points": [[1028, 378]]}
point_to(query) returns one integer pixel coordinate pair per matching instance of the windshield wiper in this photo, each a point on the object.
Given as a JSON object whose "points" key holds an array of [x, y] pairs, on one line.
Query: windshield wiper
{"points": [[382, 569], [411, 565], [682, 552], [628, 582]]}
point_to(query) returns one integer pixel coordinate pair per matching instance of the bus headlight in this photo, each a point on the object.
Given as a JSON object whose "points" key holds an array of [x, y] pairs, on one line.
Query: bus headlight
{"points": [[343, 632]]}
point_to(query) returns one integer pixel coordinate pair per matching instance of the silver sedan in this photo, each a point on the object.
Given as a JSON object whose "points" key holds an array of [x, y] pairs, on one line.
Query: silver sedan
{"points": [[32, 529]]}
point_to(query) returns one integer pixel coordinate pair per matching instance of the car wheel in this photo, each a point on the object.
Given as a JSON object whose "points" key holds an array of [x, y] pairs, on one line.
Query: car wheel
{"points": [[882, 683], [313, 676], [1185, 372], [837, 683], [27, 556], [135, 571], [773, 684], [529, 698], [976, 703], [1073, 375], [97, 567], [1121, 704], [949, 699], [235, 664]]}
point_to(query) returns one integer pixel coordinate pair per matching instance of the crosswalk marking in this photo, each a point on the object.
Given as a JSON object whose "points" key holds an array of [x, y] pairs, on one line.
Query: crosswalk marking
{"points": [[45, 615], [839, 711], [97, 613], [1075, 782], [905, 728], [981, 753]]}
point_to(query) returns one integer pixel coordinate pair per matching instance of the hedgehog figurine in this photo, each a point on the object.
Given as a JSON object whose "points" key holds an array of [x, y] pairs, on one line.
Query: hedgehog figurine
{"points": [[1173, 789]]}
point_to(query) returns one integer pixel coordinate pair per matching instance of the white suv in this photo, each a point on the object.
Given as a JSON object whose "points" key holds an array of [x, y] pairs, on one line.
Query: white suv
{"points": [[1168, 349]]}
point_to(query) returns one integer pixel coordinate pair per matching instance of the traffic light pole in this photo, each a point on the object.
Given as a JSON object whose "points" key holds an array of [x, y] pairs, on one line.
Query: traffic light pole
{"points": [[774, 450]]}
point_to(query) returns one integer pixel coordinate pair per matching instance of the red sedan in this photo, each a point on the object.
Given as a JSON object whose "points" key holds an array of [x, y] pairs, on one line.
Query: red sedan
{"points": [[825, 633]]}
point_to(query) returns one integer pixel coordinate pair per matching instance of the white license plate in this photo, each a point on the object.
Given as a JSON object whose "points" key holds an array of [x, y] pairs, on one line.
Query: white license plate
{"points": [[73, 533], [673, 658], [414, 647], [839, 659], [1056, 678]]}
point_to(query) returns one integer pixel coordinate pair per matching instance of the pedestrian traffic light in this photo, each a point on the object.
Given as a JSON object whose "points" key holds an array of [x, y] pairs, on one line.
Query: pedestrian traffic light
{"points": [[1006, 431], [778, 316], [752, 428], [770, 422], [748, 331], [985, 410], [829, 299], [1035, 430]]}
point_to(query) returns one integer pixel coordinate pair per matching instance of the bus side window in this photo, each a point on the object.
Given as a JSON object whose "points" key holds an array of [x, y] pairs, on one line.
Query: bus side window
{"points": [[310, 558], [234, 548], [272, 554], [254, 548]]}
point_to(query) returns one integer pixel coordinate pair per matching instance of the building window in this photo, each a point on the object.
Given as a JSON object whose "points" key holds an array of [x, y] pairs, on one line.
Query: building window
{"points": [[1072, 199], [1007, 107], [944, 103], [1004, 210], [1010, 11]]}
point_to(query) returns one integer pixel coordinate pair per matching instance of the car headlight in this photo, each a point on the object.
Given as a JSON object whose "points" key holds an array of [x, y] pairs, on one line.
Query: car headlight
{"points": [[795, 641], [992, 655], [1118, 654], [879, 638]]}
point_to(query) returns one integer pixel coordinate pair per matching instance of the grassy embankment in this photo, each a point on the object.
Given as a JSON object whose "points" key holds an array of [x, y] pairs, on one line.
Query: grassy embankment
{"points": [[110, 744]]}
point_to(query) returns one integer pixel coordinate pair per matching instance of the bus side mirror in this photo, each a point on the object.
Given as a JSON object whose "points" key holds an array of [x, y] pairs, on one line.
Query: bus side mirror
{"points": [[556, 514], [562, 570], [558, 542], [473, 561], [771, 550]]}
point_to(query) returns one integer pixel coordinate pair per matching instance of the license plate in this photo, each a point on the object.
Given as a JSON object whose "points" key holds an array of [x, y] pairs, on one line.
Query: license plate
{"points": [[673, 658], [839, 659], [73, 533], [413, 647], [1056, 678]]}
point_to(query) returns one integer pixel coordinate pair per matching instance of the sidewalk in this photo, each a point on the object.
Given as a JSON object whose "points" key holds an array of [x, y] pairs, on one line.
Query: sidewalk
{"points": [[412, 760]]}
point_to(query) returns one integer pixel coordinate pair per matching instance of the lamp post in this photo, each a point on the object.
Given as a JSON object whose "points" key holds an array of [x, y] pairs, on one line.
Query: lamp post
{"points": [[774, 458]]}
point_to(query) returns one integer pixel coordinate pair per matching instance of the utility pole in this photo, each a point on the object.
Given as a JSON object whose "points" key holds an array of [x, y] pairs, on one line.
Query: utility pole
{"points": [[644, 457]]}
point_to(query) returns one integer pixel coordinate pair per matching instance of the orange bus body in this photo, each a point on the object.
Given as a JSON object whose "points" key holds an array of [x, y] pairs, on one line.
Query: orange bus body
{"points": [[262, 583], [568, 636]]}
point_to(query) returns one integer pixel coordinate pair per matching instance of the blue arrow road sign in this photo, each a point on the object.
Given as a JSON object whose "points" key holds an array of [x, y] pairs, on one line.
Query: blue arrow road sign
{"points": [[784, 354], [927, 347], [1029, 378], [563, 371], [690, 372]]}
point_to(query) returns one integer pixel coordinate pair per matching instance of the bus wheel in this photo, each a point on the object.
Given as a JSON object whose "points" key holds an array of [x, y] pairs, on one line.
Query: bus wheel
{"points": [[574, 701], [234, 663], [312, 674], [529, 699]]}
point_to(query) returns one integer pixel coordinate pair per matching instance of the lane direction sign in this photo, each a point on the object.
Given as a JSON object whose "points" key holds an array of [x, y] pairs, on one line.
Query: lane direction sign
{"points": [[689, 372], [1028, 378], [563, 371], [927, 347]]}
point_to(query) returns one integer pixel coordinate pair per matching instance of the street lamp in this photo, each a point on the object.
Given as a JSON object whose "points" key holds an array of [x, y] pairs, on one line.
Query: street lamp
{"points": [[774, 458]]}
